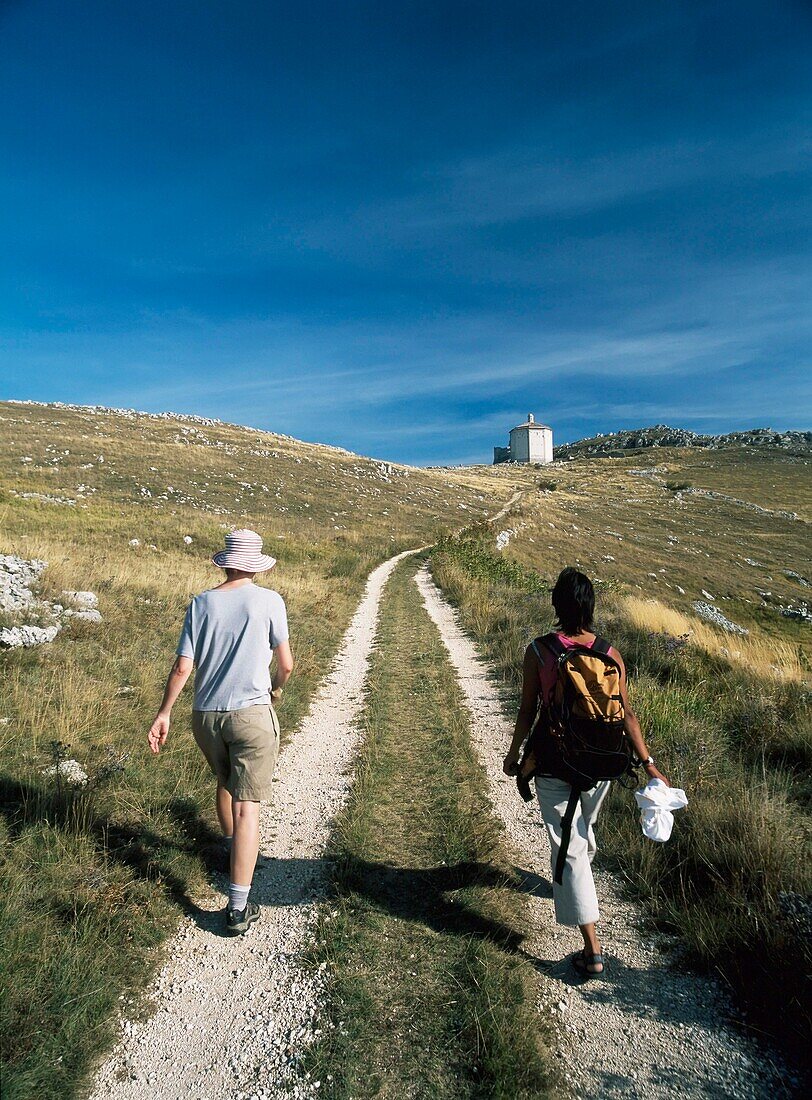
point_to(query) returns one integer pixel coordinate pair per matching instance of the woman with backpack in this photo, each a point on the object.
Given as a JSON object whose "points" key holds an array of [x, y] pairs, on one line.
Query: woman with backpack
{"points": [[564, 757]]}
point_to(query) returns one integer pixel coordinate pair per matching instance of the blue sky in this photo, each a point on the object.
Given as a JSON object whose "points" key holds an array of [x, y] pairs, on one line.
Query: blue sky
{"points": [[400, 227]]}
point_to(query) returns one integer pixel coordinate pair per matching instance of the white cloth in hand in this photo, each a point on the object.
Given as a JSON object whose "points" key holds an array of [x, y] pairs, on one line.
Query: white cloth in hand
{"points": [[657, 801]]}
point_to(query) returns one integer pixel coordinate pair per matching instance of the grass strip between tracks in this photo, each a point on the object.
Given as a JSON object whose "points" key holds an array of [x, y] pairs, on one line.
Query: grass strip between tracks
{"points": [[428, 999]]}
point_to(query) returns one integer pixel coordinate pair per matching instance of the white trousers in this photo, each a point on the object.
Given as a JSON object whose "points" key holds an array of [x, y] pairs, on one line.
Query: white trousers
{"points": [[575, 899]]}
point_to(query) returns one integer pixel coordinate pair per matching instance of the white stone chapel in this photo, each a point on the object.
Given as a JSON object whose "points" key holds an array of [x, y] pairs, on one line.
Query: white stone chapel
{"points": [[529, 442]]}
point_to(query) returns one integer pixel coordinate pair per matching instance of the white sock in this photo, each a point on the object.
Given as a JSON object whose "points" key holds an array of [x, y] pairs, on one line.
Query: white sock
{"points": [[237, 897]]}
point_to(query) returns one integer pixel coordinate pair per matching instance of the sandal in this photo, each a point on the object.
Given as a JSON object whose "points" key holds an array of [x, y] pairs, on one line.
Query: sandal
{"points": [[581, 960]]}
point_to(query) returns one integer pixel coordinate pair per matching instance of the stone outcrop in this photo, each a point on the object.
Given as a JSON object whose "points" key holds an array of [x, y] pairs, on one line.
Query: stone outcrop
{"points": [[14, 637], [663, 436], [714, 616], [18, 576]]}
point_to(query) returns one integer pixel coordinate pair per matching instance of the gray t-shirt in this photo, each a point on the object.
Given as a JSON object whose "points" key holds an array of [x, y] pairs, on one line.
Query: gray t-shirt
{"points": [[231, 634]]}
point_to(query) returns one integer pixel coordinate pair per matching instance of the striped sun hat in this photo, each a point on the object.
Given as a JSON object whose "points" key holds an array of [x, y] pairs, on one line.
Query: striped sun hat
{"points": [[244, 551]]}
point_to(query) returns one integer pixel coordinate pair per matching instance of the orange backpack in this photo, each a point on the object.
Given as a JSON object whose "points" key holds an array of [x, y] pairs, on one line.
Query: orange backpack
{"points": [[585, 715]]}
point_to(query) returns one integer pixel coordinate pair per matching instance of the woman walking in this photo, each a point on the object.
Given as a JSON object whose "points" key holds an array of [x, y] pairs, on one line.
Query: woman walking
{"points": [[574, 896]]}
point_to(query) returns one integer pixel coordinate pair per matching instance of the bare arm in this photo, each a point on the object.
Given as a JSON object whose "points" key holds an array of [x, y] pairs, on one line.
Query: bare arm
{"points": [[527, 711], [632, 726], [176, 681], [284, 665]]}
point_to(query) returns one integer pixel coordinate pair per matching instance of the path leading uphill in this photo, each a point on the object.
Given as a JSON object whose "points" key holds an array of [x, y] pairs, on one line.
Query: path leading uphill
{"points": [[231, 1016], [646, 1030], [503, 511]]}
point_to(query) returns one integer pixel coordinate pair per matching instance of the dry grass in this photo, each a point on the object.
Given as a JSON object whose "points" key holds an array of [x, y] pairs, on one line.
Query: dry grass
{"points": [[94, 880], [762, 656], [617, 520]]}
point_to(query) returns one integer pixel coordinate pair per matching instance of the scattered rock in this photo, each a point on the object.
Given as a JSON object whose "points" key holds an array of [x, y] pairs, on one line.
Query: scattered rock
{"points": [[44, 498], [17, 575], [84, 600], [85, 615], [799, 611], [14, 637], [69, 770], [663, 436], [715, 617]]}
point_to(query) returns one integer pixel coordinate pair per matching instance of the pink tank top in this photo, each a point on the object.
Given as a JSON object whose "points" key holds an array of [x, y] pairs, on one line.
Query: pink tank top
{"points": [[548, 669]]}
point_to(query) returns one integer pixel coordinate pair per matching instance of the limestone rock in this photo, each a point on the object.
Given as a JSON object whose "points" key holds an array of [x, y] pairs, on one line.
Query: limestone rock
{"points": [[14, 637]]}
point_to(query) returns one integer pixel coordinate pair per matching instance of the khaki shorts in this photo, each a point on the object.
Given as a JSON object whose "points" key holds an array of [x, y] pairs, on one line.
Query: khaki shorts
{"points": [[241, 747]]}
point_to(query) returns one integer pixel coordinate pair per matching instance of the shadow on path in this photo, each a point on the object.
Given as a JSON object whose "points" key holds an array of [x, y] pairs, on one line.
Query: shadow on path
{"points": [[435, 896]]}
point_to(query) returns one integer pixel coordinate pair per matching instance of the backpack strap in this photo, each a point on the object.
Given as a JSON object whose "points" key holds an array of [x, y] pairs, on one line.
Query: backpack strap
{"points": [[566, 833], [600, 645], [552, 642]]}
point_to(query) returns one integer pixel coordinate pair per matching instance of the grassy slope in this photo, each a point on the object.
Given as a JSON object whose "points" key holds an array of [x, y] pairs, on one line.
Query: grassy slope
{"points": [[605, 507], [93, 881], [735, 881], [427, 1002]]}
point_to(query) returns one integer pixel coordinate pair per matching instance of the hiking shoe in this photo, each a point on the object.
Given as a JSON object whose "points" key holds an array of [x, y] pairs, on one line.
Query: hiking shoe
{"points": [[237, 922]]}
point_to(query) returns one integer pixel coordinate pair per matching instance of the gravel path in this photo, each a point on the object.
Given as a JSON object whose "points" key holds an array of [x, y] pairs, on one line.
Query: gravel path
{"points": [[647, 1030], [231, 1016], [517, 496]]}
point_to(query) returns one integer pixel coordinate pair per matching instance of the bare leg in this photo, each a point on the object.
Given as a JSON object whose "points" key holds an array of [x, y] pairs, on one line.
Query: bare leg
{"points": [[224, 811], [245, 848], [591, 946]]}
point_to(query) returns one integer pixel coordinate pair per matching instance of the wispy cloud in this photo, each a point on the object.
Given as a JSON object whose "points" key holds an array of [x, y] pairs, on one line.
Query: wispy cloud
{"points": [[399, 234]]}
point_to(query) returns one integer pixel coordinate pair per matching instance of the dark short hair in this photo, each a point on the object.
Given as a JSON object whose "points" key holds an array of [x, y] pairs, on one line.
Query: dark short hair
{"points": [[574, 600]]}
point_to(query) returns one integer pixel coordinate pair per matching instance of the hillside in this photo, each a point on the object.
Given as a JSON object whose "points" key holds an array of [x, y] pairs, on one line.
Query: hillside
{"points": [[700, 552], [129, 507], [701, 562], [728, 529], [87, 458]]}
